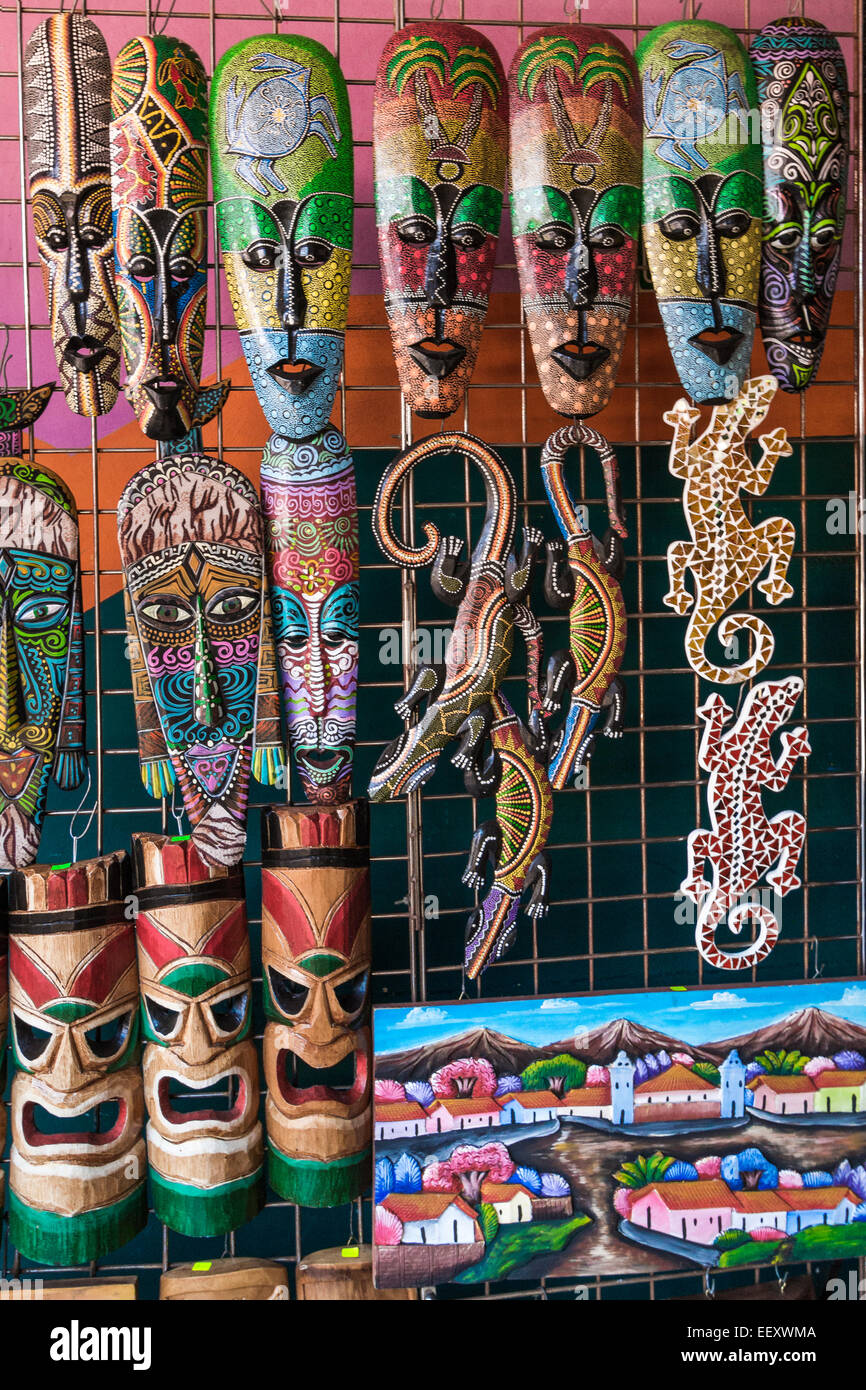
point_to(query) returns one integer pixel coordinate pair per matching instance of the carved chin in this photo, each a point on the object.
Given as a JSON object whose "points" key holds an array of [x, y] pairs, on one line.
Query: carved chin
{"points": [[19, 839], [219, 837]]}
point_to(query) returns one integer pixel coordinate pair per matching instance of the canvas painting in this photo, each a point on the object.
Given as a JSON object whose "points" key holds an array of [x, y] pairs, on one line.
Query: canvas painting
{"points": [[620, 1133]]}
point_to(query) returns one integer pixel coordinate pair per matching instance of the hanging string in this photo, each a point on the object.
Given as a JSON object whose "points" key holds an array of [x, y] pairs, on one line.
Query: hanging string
{"points": [[76, 839], [178, 814], [5, 360], [155, 16]]}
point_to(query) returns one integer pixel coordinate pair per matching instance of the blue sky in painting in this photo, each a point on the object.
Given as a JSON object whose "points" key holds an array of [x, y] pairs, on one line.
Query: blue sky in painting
{"points": [[692, 1016]]}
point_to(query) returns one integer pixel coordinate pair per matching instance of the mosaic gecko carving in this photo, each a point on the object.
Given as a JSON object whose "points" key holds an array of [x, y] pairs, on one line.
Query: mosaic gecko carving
{"points": [[727, 553], [583, 575], [484, 592], [743, 844]]}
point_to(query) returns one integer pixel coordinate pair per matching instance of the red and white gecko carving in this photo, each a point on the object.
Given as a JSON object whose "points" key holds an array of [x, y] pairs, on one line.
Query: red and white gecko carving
{"points": [[744, 844]]}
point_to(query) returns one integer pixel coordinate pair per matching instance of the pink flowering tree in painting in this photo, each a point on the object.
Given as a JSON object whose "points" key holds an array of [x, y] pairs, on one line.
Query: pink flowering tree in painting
{"points": [[387, 1092], [387, 1228], [709, 1167], [597, 1076], [467, 1078], [622, 1202], [466, 1168]]}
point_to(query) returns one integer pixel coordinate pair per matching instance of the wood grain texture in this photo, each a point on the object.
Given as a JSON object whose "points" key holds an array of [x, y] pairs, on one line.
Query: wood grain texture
{"points": [[331, 1275], [119, 1288], [222, 1281]]}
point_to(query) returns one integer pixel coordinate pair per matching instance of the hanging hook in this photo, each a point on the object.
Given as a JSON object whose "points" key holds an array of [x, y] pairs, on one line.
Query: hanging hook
{"points": [[63, 6], [436, 8], [815, 945], [5, 360], [155, 15], [709, 1285], [696, 9], [77, 812], [782, 1276], [571, 8], [178, 814]]}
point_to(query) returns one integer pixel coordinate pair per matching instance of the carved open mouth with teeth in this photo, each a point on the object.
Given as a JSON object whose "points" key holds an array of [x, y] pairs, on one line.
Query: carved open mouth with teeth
{"points": [[84, 354], [181, 1103], [719, 344], [343, 1085], [580, 360], [98, 1126], [437, 359], [295, 377]]}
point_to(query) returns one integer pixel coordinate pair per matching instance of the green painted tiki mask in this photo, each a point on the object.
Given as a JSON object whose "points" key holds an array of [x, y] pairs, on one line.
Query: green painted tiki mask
{"points": [[575, 206], [702, 200], [439, 138], [282, 139]]}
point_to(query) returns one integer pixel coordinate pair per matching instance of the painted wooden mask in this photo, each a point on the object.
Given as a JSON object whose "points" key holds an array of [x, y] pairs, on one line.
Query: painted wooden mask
{"points": [[41, 649], [67, 86], [159, 195], [196, 1006], [201, 643], [77, 1183], [316, 962], [440, 118], [575, 206], [4, 1018], [282, 139], [702, 200], [311, 536], [802, 87]]}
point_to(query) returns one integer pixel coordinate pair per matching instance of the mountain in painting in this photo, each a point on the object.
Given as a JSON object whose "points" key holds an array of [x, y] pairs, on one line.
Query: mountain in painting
{"points": [[602, 1044], [812, 1031]]}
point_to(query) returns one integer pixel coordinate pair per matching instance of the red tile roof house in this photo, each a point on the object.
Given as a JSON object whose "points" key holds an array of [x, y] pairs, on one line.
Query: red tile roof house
{"points": [[685, 1094], [463, 1113], [699, 1211], [528, 1107], [783, 1095], [434, 1218], [592, 1102], [399, 1119], [511, 1201]]}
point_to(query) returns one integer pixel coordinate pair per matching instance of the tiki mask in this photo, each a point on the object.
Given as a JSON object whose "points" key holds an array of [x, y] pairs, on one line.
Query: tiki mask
{"points": [[77, 1167], [194, 965], [439, 133], [575, 206], [311, 536], [282, 138], [159, 194], [702, 200], [41, 647], [316, 961], [802, 87], [67, 84], [200, 642]]}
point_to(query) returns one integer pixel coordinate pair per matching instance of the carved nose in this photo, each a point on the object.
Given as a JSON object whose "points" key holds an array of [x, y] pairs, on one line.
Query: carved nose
{"points": [[440, 277], [12, 713], [710, 272], [208, 707], [581, 279], [292, 302]]}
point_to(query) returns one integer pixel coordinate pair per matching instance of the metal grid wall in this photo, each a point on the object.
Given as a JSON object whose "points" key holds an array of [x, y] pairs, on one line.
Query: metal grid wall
{"points": [[601, 938]]}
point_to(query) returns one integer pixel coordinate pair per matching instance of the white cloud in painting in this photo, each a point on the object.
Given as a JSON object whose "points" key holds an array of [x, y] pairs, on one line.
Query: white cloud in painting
{"points": [[853, 997], [422, 1018], [560, 1005], [722, 999]]}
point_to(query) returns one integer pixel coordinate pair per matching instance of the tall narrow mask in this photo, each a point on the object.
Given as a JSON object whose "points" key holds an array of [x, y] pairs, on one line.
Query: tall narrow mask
{"points": [[77, 1168], [67, 87], [440, 119], [41, 646], [702, 200], [311, 520], [201, 1080], [316, 964], [4, 1020], [575, 176], [159, 196], [201, 644], [283, 159], [803, 90]]}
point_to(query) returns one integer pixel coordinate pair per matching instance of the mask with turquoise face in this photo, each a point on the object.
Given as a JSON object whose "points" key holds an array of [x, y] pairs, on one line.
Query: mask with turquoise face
{"points": [[281, 136], [702, 200]]}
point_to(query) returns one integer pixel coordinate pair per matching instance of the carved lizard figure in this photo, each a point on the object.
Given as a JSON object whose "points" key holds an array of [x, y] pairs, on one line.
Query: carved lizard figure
{"points": [[727, 553], [583, 575], [743, 844]]}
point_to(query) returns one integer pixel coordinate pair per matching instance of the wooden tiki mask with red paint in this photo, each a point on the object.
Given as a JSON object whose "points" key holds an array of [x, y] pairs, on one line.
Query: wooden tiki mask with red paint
{"points": [[194, 964], [316, 962], [77, 1182]]}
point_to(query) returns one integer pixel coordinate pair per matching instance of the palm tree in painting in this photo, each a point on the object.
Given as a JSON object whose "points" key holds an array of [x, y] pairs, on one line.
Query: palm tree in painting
{"points": [[554, 55], [474, 69], [413, 60]]}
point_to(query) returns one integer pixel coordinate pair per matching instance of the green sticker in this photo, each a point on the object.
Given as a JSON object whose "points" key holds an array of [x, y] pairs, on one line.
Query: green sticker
{"points": [[201, 1266], [350, 1252]]}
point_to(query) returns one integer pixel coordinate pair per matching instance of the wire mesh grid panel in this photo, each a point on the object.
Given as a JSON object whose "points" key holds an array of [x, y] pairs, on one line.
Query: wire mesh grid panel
{"points": [[618, 842]]}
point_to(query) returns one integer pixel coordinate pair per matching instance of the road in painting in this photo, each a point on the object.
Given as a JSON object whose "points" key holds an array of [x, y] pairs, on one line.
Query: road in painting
{"points": [[620, 1133]]}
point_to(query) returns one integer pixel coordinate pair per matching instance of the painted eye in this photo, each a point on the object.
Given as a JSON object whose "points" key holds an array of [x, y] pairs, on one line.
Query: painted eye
{"points": [[262, 256], [108, 1039], [469, 237], [607, 238], [733, 224], [30, 1041], [40, 613], [182, 269], [313, 251], [786, 238], [163, 1021], [228, 608], [166, 612], [680, 226], [823, 237], [351, 995], [289, 995], [141, 267], [56, 239], [93, 237], [417, 231], [228, 1014], [335, 636], [554, 237]]}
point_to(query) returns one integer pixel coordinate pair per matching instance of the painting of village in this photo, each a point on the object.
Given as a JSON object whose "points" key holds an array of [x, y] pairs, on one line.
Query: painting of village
{"points": [[620, 1133]]}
